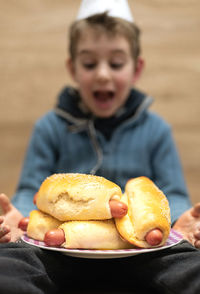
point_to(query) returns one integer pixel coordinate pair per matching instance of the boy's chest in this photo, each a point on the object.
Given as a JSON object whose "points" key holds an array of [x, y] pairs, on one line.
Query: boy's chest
{"points": [[122, 157]]}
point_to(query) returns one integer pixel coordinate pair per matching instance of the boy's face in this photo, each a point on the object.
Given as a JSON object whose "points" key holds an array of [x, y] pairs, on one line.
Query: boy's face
{"points": [[104, 70]]}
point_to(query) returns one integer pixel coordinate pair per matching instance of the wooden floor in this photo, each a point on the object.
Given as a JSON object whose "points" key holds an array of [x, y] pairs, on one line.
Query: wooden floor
{"points": [[33, 49]]}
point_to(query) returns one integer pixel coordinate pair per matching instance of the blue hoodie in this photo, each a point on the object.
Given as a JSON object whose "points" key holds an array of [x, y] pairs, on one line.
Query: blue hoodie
{"points": [[135, 142]]}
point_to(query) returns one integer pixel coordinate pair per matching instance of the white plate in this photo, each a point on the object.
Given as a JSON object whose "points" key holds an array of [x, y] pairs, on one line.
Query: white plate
{"points": [[174, 239]]}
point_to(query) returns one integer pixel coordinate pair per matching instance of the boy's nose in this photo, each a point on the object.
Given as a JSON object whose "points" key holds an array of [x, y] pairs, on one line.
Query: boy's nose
{"points": [[103, 73]]}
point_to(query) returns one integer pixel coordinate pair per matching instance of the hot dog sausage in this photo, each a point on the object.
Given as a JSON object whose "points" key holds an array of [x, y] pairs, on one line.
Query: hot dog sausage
{"points": [[117, 208], [23, 224], [34, 198], [154, 237], [54, 237]]}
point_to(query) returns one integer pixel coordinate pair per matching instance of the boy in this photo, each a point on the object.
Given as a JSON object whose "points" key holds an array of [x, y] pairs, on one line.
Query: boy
{"points": [[104, 128]]}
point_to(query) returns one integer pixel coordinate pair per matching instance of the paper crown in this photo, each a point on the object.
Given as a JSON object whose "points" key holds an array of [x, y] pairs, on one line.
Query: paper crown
{"points": [[115, 8]]}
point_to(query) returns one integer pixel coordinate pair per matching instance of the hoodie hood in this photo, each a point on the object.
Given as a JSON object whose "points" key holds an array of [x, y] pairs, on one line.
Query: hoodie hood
{"points": [[69, 107]]}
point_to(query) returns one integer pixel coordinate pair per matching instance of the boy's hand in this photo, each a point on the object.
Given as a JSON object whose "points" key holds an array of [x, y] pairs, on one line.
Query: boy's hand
{"points": [[189, 225], [9, 231]]}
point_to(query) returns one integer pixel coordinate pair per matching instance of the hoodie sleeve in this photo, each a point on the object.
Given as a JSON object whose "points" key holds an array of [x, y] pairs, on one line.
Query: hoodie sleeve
{"points": [[38, 164], [168, 173]]}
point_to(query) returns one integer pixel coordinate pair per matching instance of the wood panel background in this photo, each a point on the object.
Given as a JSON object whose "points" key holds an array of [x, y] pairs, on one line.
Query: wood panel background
{"points": [[33, 48]]}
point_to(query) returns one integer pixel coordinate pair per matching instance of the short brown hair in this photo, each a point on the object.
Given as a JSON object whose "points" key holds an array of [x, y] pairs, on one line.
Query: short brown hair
{"points": [[110, 25]]}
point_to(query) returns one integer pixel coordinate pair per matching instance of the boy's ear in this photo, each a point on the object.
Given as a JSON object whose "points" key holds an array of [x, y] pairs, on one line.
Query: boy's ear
{"points": [[70, 67], [138, 69]]}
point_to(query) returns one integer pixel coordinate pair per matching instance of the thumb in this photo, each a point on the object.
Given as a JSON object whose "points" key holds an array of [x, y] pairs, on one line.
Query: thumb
{"points": [[195, 211], [5, 203]]}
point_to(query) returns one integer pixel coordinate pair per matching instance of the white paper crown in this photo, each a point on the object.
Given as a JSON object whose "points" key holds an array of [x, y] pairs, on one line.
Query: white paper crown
{"points": [[115, 8]]}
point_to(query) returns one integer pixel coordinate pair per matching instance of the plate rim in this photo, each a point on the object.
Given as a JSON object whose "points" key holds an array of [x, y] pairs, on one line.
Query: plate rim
{"points": [[97, 253]]}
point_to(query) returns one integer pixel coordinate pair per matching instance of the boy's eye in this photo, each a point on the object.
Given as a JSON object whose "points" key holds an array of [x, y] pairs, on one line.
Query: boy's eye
{"points": [[116, 65], [89, 65]]}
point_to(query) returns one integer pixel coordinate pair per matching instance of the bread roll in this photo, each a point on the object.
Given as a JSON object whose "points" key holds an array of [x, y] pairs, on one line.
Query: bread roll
{"points": [[93, 235], [40, 223], [148, 209], [77, 197]]}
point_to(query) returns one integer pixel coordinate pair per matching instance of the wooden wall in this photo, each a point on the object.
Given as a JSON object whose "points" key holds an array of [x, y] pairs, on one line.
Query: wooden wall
{"points": [[33, 49]]}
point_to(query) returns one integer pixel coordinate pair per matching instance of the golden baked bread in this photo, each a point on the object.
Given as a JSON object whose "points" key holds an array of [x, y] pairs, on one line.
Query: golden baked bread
{"points": [[77, 197], [148, 209], [93, 235], [40, 223]]}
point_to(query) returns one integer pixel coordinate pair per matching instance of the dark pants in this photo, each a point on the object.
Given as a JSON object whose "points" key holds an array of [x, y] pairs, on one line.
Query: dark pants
{"points": [[29, 270]]}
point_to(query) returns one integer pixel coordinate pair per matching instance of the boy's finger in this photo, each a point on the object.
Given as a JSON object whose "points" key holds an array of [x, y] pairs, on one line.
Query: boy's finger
{"points": [[195, 211], [4, 230], [5, 239], [197, 244], [5, 203], [197, 234]]}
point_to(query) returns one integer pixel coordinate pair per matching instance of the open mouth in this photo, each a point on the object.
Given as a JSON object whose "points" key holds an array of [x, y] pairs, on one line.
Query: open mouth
{"points": [[103, 95], [104, 98]]}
